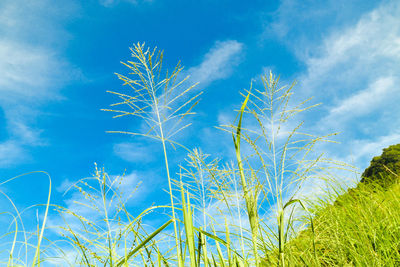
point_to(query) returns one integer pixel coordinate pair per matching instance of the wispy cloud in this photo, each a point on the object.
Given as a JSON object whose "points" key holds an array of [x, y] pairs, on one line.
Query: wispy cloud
{"points": [[366, 149], [31, 71], [355, 72], [351, 65], [134, 152], [363, 103], [300, 24], [218, 63], [354, 56], [24, 70], [9, 151], [110, 3]]}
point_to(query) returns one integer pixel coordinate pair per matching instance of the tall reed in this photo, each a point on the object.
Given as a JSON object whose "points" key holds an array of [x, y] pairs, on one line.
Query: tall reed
{"points": [[161, 100], [278, 160]]}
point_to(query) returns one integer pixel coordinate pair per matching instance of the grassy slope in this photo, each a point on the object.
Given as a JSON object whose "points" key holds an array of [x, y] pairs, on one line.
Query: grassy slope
{"points": [[362, 228]]}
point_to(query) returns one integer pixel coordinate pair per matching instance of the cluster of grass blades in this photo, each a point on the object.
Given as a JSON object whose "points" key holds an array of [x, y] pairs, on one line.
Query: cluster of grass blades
{"points": [[21, 246], [97, 231], [361, 228], [275, 166], [101, 230], [271, 173], [244, 210]]}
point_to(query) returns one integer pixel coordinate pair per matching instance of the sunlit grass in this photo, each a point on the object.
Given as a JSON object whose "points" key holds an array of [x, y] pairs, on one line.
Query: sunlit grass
{"points": [[361, 228], [243, 210]]}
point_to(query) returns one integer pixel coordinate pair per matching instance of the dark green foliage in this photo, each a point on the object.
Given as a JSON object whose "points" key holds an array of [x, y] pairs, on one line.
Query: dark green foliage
{"points": [[384, 169]]}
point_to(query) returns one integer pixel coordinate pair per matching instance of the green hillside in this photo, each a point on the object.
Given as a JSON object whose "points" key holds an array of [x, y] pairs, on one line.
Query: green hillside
{"points": [[362, 227], [384, 169]]}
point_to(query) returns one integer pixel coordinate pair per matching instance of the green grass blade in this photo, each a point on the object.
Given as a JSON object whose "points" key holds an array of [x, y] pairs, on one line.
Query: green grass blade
{"points": [[143, 243]]}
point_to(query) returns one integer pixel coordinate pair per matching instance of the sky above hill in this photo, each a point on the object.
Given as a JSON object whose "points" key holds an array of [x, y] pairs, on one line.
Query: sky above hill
{"points": [[58, 59]]}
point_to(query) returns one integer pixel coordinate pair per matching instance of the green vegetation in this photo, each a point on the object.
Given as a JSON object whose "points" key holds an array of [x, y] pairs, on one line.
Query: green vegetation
{"points": [[383, 169], [362, 228], [247, 213]]}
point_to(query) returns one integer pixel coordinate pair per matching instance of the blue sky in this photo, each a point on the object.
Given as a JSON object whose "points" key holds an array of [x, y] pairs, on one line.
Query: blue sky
{"points": [[58, 59]]}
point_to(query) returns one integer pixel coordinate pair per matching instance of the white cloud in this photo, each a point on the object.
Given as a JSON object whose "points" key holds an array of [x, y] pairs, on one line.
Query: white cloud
{"points": [[365, 149], [24, 66], [109, 3], [24, 134], [11, 153], [355, 56], [135, 152], [364, 102], [32, 69], [355, 71], [64, 186], [218, 63], [300, 24], [351, 65]]}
